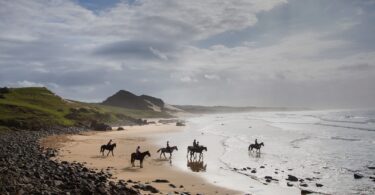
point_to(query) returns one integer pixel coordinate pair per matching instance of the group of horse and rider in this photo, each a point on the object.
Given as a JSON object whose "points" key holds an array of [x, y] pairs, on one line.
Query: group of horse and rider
{"points": [[196, 148]]}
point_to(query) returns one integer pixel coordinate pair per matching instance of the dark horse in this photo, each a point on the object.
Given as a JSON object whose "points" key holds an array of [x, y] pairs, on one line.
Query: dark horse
{"points": [[199, 149], [256, 146], [167, 150], [109, 147], [139, 157]]}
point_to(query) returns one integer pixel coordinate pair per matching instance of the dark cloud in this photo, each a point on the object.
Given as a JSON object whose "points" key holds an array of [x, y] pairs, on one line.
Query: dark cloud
{"points": [[144, 50]]}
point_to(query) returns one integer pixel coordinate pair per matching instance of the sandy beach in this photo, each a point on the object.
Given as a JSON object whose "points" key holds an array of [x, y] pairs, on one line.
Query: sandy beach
{"points": [[85, 148]]}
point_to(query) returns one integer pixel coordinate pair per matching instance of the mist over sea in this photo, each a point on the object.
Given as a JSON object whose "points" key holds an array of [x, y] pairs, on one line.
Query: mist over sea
{"points": [[324, 147]]}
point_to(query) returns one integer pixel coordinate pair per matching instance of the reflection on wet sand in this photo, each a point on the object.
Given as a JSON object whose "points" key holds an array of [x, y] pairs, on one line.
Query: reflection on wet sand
{"points": [[197, 165]]}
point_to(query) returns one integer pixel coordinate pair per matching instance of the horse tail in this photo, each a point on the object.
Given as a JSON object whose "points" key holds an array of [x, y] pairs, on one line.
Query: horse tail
{"points": [[158, 150]]}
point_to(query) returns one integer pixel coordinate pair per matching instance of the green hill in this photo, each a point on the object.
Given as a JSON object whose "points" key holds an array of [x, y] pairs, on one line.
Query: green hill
{"points": [[33, 108]]}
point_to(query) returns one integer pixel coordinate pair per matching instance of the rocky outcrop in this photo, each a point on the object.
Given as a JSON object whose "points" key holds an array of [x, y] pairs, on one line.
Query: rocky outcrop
{"points": [[100, 126]]}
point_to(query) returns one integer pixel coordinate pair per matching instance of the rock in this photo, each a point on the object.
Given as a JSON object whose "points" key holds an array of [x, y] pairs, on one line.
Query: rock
{"points": [[303, 185], [100, 126], [262, 167], [120, 129], [268, 177], [301, 180], [357, 176], [254, 171], [319, 185], [181, 186], [179, 123], [289, 184], [292, 178], [57, 182], [371, 167], [151, 189], [161, 181], [102, 190], [268, 180], [172, 186], [303, 192]]}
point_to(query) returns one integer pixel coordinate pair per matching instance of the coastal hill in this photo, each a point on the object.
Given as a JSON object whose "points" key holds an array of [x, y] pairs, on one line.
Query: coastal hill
{"points": [[34, 108], [126, 99]]}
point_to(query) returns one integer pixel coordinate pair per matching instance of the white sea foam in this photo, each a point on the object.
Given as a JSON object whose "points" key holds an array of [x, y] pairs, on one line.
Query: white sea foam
{"points": [[329, 146]]}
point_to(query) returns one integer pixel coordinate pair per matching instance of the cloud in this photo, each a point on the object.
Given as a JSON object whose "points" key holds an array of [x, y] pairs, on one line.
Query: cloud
{"points": [[356, 68], [197, 52]]}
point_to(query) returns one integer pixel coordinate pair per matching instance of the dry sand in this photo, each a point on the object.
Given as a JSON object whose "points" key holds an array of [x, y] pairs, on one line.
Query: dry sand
{"points": [[85, 148]]}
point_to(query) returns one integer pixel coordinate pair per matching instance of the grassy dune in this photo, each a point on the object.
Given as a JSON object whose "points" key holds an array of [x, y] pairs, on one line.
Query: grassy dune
{"points": [[35, 107]]}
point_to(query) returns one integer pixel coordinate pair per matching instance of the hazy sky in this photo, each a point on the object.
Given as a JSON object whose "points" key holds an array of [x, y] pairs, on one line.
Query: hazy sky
{"points": [[313, 53]]}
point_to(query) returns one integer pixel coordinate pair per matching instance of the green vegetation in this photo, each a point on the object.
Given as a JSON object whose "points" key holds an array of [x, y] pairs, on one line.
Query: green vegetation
{"points": [[34, 107]]}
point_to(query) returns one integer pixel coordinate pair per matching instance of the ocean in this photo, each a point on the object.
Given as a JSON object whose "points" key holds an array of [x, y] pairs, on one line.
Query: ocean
{"points": [[320, 147]]}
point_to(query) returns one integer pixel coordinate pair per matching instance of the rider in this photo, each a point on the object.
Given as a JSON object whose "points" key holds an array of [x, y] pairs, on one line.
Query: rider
{"points": [[256, 142], [194, 143], [137, 151], [168, 148], [109, 143]]}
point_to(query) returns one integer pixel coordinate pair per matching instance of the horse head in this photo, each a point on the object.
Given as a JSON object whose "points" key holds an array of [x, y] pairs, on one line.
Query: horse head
{"points": [[204, 148], [147, 153], [175, 147], [114, 145], [261, 144]]}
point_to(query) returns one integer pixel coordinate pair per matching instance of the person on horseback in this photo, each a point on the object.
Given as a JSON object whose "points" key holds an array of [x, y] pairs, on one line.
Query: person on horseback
{"points": [[109, 143], [256, 142], [194, 143], [168, 148], [138, 152]]}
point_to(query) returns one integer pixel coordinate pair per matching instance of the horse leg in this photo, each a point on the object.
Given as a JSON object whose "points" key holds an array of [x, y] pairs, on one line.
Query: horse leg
{"points": [[164, 155], [141, 162], [160, 154], [108, 152], [112, 153]]}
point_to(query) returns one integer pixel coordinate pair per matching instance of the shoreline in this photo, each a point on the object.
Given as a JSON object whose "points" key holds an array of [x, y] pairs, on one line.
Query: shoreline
{"points": [[84, 148]]}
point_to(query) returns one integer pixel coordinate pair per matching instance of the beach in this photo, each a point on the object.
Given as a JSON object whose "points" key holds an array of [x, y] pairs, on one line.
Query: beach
{"points": [[84, 148], [315, 152]]}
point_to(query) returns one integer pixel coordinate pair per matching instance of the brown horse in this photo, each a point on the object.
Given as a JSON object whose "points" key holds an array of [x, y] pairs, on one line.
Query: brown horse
{"points": [[167, 150], [109, 147], [256, 146], [139, 157]]}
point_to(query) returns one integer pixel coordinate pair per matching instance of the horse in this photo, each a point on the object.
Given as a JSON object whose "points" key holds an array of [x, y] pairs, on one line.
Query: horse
{"points": [[109, 147], [139, 157], [197, 149], [167, 150], [256, 146]]}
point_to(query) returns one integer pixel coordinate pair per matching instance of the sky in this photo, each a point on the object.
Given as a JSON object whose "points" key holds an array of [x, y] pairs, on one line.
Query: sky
{"points": [[293, 53]]}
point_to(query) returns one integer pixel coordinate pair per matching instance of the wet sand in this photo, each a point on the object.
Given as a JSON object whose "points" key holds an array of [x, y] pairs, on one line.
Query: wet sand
{"points": [[85, 148]]}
